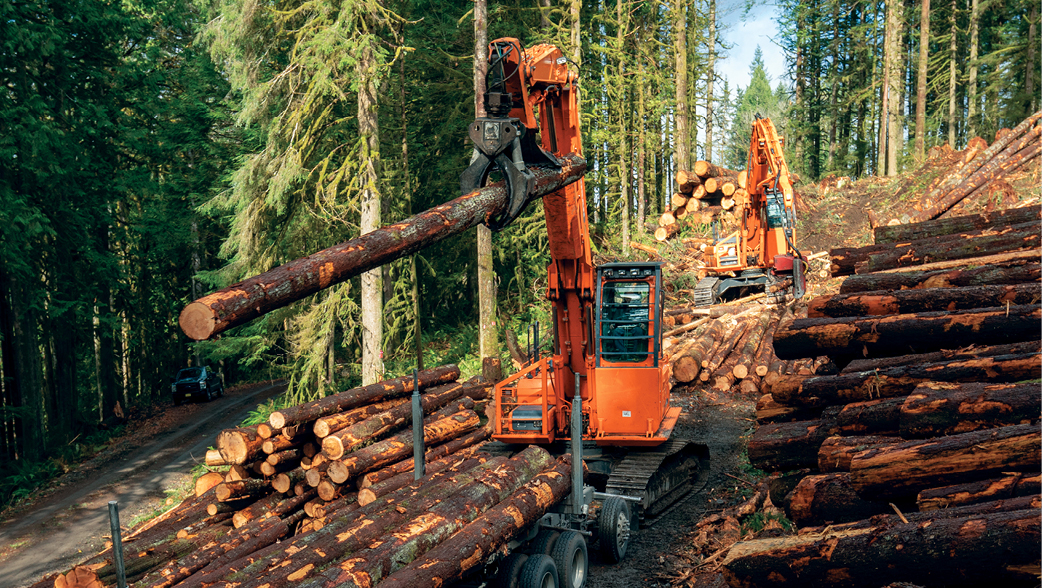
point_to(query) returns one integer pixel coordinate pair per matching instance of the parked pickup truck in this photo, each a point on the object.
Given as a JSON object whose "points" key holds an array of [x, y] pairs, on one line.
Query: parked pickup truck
{"points": [[197, 382]]}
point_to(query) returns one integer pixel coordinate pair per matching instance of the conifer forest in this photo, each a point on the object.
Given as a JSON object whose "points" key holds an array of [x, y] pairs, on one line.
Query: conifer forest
{"points": [[153, 151]]}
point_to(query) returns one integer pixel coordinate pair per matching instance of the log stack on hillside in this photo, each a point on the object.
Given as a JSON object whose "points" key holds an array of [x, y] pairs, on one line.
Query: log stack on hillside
{"points": [[705, 194], [325, 492], [932, 422]]}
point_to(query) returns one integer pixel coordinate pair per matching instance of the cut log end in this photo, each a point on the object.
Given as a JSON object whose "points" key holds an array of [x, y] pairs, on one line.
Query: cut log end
{"points": [[197, 321]]}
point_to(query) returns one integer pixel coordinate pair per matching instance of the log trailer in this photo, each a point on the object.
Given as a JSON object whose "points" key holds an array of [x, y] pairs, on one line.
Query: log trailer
{"points": [[763, 251], [603, 393]]}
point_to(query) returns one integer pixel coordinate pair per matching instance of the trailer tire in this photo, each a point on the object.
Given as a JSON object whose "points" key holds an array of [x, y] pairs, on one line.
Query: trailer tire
{"points": [[539, 571], [544, 542], [572, 559], [509, 572], [613, 528]]}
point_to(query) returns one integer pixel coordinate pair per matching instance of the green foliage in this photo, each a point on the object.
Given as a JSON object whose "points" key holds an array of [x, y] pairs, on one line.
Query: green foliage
{"points": [[756, 522]]}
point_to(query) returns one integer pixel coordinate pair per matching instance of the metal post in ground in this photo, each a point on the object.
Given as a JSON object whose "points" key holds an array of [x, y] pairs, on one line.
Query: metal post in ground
{"points": [[117, 544], [417, 429]]}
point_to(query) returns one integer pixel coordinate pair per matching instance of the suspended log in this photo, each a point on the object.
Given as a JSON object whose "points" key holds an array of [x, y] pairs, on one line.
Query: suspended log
{"points": [[902, 380], [956, 224], [370, 566], [1015, 238], [438, 451], [943, 356], [904, 469], [787, 446], [944, 408], [399, 446], [473, 544], [922, 300], [279, 287], [901, 334], [337, 444], [355, 397], [835, 452], [829, 498], [997, 549], [1007, 486]]}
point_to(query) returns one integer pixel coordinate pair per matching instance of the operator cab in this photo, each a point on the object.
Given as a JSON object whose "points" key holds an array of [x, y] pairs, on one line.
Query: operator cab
{"points": [[629, 312]]}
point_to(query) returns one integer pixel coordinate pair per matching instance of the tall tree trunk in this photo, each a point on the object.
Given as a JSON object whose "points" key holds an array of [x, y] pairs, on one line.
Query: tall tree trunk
{"points": [[23, 383], [1029, 83], [895, 33], [710, 78], [544, 15], [971, 82], [574, 40], [833, 88], [884, 106], [488, 337], [682, 146], [642, 140], [952, 77], [414, 269], [920, 93], [372, 288], [622, 14]]}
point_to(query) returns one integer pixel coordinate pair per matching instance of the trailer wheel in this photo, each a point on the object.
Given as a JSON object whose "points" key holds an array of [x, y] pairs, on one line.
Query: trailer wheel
{"points": [[509, 572], [613, 528], [544, 542], [572, 559], [539, 571]]}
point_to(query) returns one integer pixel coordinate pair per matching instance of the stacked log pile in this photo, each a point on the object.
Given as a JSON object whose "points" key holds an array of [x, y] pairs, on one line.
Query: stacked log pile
{"points": [[704, 195], [979, 170], [931, 423], [325, 492]]}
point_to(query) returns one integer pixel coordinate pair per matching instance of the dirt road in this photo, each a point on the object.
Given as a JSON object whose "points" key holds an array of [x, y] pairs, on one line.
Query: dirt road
{"points": [[72, 521]]}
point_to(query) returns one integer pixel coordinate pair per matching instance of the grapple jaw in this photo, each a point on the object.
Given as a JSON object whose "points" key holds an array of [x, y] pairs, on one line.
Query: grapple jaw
{"points": [[504, 144]]}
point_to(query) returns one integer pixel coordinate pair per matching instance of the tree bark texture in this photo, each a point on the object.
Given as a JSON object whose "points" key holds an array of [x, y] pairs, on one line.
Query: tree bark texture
{"points": [[356, 397], [1014, 238], [397, 447], [1009, 485], [975, 550], [276, 288], [836, 452], [450, 462], [922, 300], [881, 416], [787, 446], [902, 334], [370, 566], [944, 408], [335, 422], [345, 440], [472, 438], [473, 544], [904, 469], [956, 224], [943, 356], [902, 380], [768, 411], [830, 498]]}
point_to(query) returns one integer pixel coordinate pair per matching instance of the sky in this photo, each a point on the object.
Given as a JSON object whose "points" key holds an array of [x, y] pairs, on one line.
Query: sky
{"points": [[758, 28]]}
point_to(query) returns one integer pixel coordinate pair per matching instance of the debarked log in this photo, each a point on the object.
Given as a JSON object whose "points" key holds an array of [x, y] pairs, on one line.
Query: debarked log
{"points": [[276, 288], [902, 334], [906, 468], [473, 544], [902, 380], [998, 549]]}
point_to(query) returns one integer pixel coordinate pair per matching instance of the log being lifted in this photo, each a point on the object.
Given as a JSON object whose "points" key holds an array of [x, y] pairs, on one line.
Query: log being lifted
{"points": [[901, 334], [256, 296], [995, 549], [1016, 271], [922, 300]]}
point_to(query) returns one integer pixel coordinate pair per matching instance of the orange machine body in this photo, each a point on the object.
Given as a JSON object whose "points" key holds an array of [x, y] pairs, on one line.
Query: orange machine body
{"points": [[768, 196], [607, 320]]}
